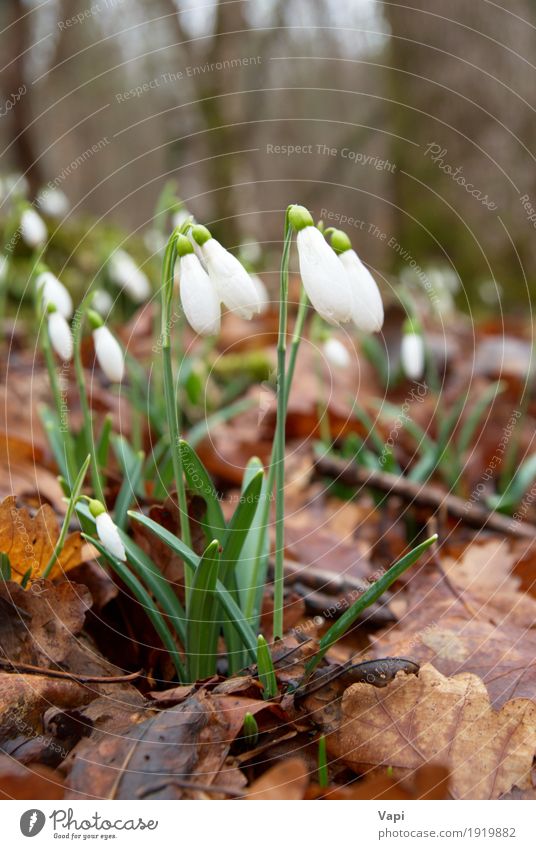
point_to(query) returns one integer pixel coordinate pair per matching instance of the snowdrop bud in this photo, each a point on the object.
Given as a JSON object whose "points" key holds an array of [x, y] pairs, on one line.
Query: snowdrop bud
{"points": [[412, 354], [335, 353], [126, 275], [106, 530], [367, 307], [199, 298], [53, 202], [60, 334], [324, 278], [54, 292], [102, 302], [109, 354], [231, 280], [33, 229]]}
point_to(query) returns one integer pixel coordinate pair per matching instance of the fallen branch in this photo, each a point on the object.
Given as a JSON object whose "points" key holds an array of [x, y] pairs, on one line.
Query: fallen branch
{"points": [[424, 495]]}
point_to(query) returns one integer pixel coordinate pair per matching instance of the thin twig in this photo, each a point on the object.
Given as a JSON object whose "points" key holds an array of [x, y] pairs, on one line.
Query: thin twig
{"points": [[58, 673]]}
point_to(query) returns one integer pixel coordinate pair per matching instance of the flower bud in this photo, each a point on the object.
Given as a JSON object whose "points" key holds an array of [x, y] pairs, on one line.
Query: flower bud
{"points": [[60, 335], [109, 354], [33, 229]]}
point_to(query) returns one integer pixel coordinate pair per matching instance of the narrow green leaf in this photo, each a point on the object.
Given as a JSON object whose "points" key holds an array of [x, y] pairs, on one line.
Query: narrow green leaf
{"points": [[103, 445], [131, 477], [323, 775], [250, 730], [51, 428], [231, 608], [75, 495], [203, 625], [200, 482], [265, 669], [513, 494], [151, 576], [339, 628], [241, 522], [145, 600], [5, 567]]}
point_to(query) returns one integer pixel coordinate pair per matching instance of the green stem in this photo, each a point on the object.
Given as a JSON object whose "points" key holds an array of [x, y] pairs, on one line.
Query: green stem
{"points": [[87, 425], [75, 494], [294, 346], [279, 442], [172, 410], [61, 411]]}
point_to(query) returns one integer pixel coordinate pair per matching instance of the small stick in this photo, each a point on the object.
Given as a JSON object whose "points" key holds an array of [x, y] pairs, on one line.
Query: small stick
{"points": [[475, 515], [58, 673]]}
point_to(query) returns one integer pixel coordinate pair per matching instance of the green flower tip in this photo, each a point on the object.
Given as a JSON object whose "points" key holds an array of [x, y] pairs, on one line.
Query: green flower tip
{"points": [[411, 326], [96, 507], [300, 217], [51, 308], [94, 319], [184, 246], [340, 242], [201, 234]]}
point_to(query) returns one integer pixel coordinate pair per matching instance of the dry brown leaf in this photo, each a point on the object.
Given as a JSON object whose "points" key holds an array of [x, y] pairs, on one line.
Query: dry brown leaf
{"points": [[287, 780], [433, 719], [29, 541], [28, 782]]}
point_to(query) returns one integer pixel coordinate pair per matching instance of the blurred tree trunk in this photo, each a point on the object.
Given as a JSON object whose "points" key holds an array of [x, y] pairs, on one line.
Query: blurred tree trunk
{"points": [[16, 45]]}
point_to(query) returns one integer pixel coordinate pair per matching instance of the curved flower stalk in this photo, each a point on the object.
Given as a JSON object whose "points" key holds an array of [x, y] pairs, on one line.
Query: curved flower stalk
{"points": [[52, 291], [60, 334], [412, 351], [367, 306], [107, 530], [233, 284], [324, 278], [125, 274], [107, 349], [199, 299], [33, 229]]}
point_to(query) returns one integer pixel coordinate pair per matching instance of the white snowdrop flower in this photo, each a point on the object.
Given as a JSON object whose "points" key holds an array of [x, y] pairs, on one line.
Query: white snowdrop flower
{"points": [[33, 229], [199, 298], [102, 301], [233, 284], [335, 353], [109, 354], [323, 276], [126, 275], [60, 335], [412, 355], [53, 202], [367, 306], [55, 293], [262, 292], [107, 530], [250, 251]]}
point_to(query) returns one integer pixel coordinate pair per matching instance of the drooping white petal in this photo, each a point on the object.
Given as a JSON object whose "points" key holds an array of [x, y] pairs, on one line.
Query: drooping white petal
{"points": [[109, 536], [335, 353], [53, 202], [367, 309], [324, 278], [126, 275], [262, 293], [54, 292], [233, 284], [412, 355], [33, 229], [199, 298], [60, 335], [109, 354]]}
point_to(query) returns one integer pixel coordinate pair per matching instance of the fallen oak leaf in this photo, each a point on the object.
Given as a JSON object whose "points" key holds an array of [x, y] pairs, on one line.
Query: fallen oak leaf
{"points": [[433, 719], [29, 541], [29, 781], [287, 780]]}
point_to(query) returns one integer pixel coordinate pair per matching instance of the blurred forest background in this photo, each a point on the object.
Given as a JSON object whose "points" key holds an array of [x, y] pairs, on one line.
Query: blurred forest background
{"points": [[392, 105]]}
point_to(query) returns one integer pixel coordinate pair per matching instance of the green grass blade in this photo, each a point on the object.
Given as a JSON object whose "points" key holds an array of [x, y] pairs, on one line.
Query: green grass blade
{"points": [[145, 600], [203, 624], [339, 628], [265, 669]]}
